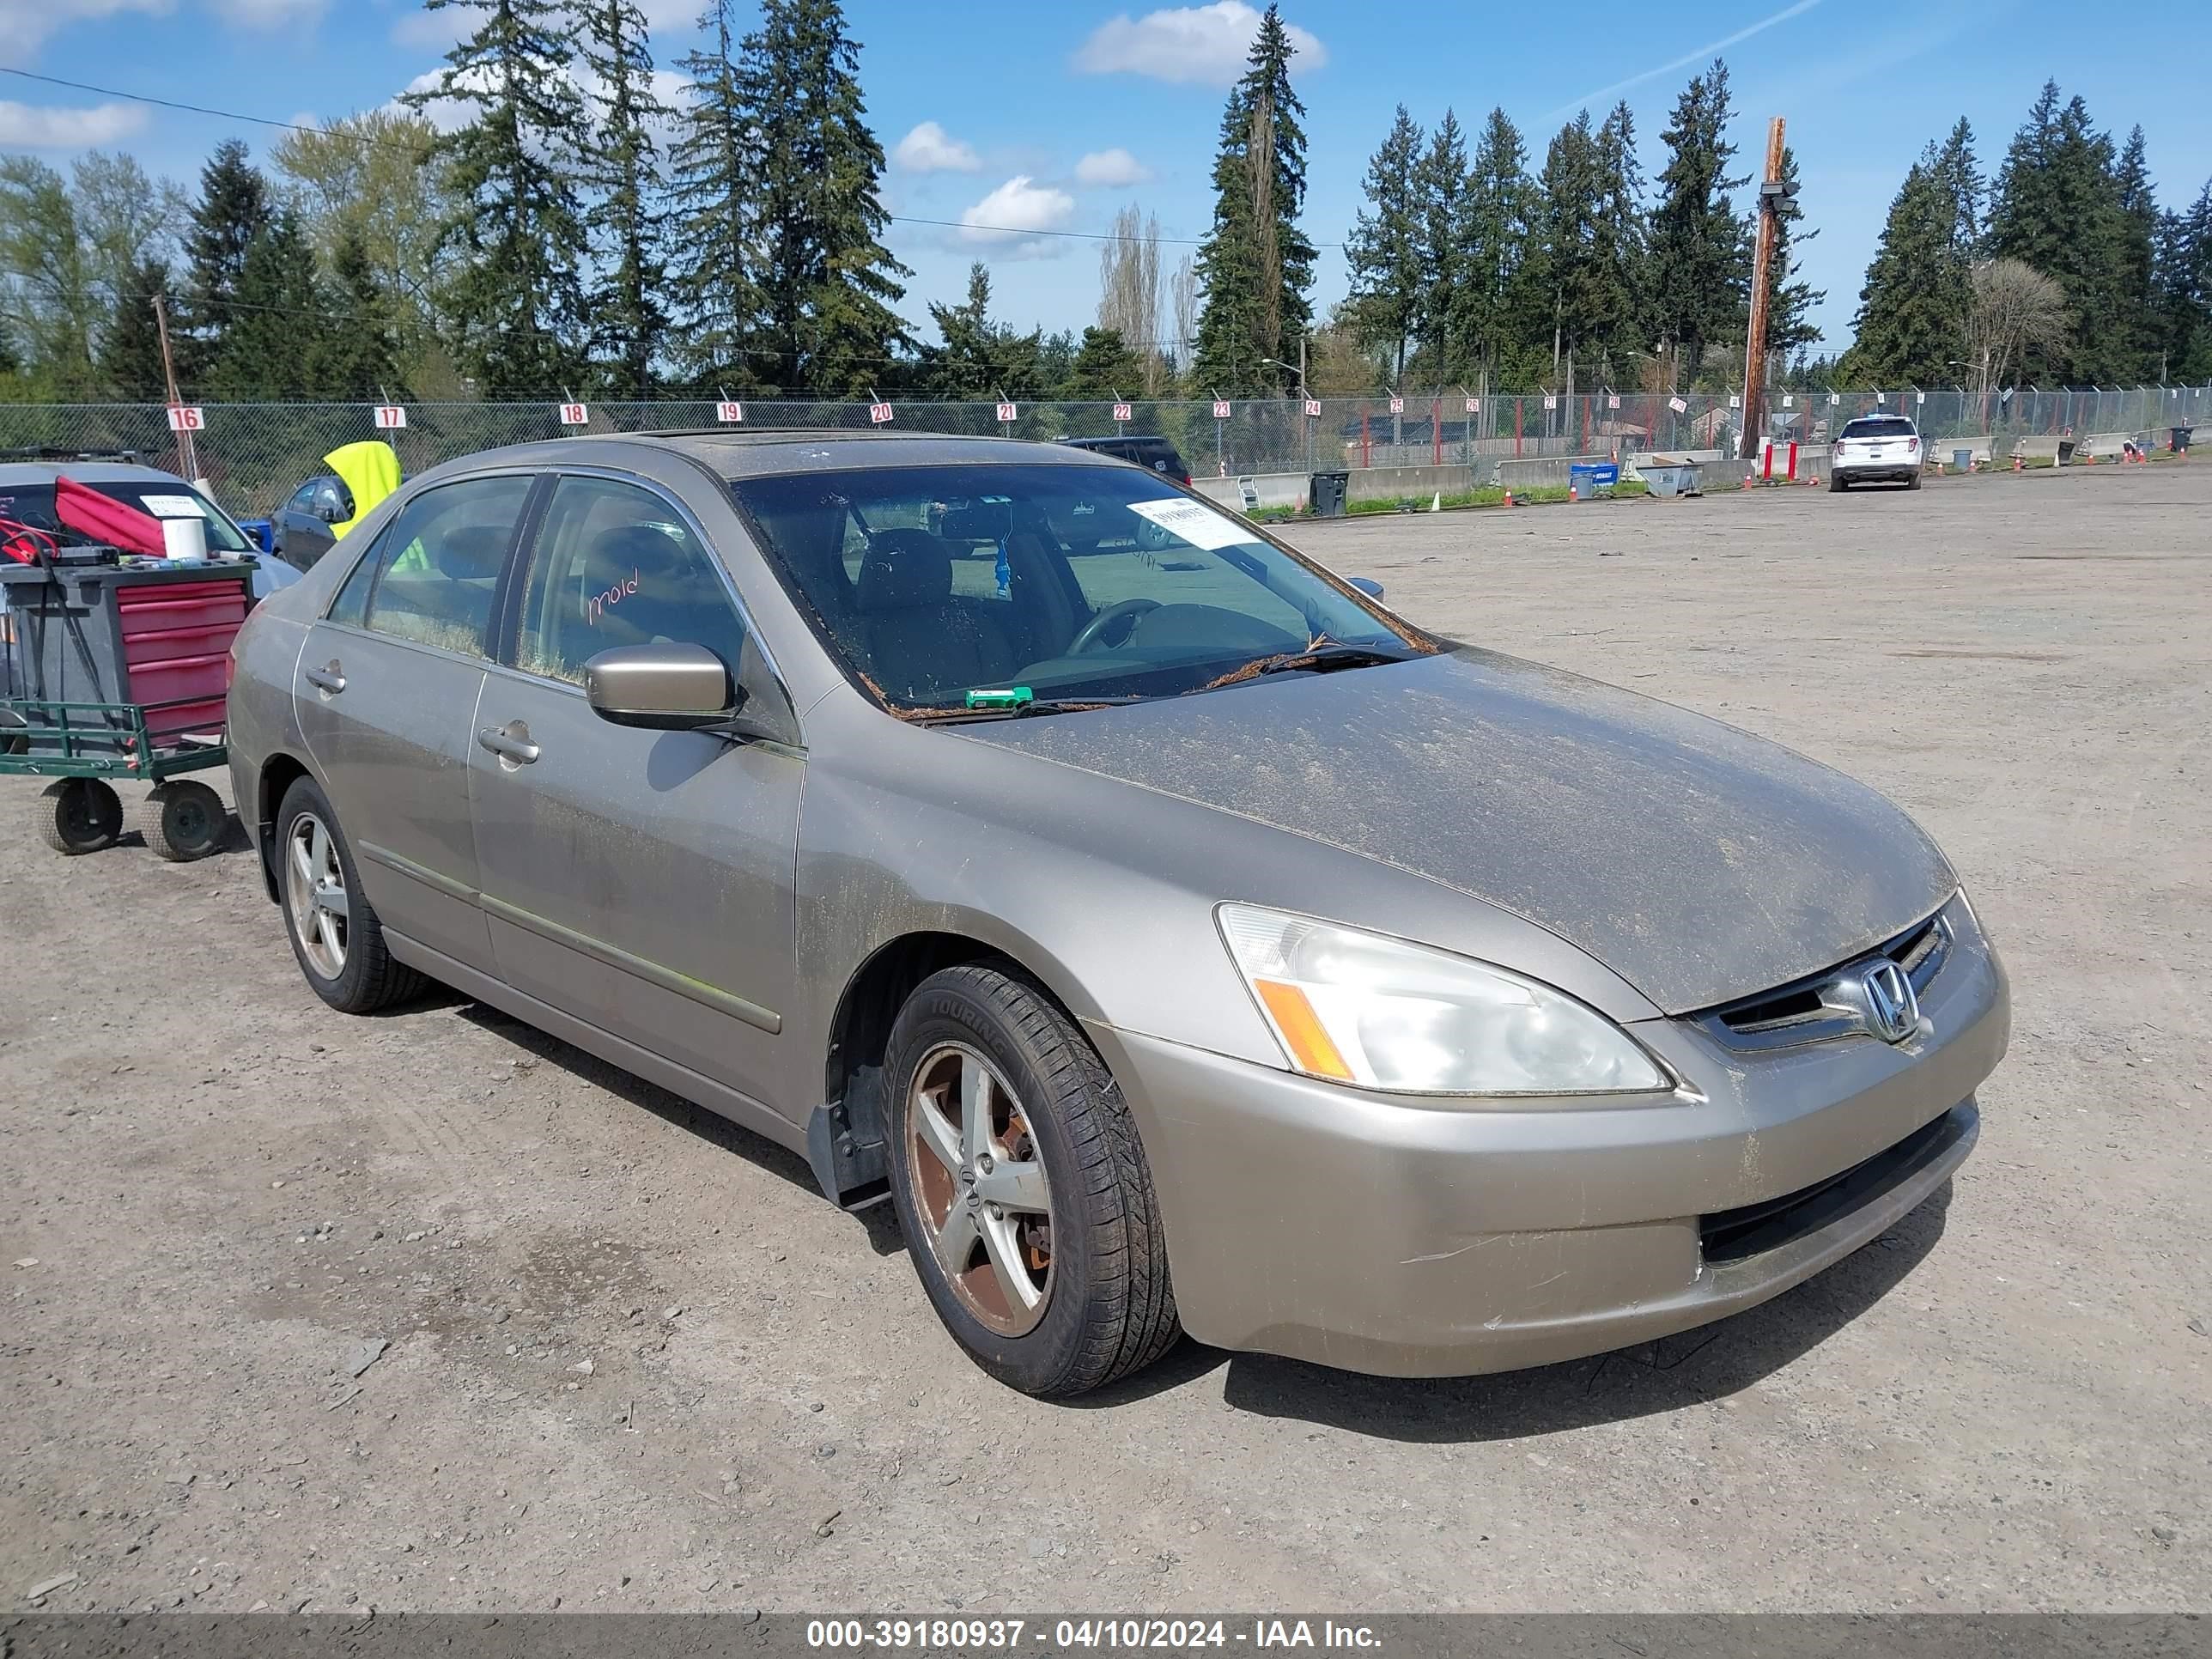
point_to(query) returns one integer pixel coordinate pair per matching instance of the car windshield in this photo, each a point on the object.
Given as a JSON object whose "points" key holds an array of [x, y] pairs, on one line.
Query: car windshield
{"points": [[33, 504], [1074, 582], [1879, 426]]}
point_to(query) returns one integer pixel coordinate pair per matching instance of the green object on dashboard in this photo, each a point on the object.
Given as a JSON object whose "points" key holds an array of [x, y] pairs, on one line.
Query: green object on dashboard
{"points": [[1012, 697]]}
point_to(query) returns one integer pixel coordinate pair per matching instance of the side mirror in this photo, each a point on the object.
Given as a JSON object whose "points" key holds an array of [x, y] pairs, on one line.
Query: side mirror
{"points": [[687, 687], [662, 687], [1367, 584]]}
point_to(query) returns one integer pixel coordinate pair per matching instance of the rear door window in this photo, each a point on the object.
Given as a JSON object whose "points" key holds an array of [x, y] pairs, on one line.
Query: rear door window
{"points": [[435, 572], [1889, 426]]}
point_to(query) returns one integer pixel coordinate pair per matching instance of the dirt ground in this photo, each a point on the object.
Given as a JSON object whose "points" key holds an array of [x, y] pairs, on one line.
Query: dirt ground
{"points": [[636, 1362]]}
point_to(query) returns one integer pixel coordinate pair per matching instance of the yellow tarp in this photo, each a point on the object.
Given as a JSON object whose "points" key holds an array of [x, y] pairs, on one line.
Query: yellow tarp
{"points": [[370, 470]]}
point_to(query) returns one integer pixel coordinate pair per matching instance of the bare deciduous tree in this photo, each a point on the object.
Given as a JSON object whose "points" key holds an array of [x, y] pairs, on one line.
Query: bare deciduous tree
{"points": [[2012, 309], [1182, 289], [1129, 289]]}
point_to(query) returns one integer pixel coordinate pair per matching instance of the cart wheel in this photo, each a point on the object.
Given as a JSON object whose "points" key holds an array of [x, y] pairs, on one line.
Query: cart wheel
{"points": [[79, 815], [184, 821]]}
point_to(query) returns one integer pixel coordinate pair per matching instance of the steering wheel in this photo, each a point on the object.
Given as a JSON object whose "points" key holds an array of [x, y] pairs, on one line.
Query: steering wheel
{"points": [[1091, 631]]}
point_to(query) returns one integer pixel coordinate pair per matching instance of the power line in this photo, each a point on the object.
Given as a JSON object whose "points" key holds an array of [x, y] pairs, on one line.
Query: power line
{"points": [[326, 132]]}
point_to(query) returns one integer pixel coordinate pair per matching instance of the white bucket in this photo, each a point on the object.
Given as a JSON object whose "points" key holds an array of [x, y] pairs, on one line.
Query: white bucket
{"points": [[184, 538]]}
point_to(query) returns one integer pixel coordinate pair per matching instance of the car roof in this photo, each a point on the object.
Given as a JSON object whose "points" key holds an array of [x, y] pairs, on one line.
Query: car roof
{"points": [[1119, 438], [38, 472], [741, 454]]}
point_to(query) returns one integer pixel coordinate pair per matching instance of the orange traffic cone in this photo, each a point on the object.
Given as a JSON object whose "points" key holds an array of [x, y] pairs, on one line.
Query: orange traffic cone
{"points": [[1509, 497], [2015, 460], [1572, 495]]}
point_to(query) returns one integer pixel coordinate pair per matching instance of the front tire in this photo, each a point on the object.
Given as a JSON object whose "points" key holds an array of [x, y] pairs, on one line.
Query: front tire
{"points": [[1022, 1187], [336, 936]]}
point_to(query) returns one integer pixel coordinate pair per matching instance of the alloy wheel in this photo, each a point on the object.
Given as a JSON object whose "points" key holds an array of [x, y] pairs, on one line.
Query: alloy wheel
{"points": [[980, 1188], [315, 894]]}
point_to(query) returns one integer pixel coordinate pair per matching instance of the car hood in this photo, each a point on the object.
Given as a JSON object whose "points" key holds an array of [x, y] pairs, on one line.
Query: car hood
{"points": [[1698, 862]]}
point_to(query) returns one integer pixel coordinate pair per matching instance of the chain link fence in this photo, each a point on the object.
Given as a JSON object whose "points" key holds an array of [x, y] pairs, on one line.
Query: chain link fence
{"points": [[255, 455]]}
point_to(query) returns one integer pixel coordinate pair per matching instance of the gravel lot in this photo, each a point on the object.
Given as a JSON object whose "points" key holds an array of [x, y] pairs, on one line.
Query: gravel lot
{"points": [[636, 1362]]}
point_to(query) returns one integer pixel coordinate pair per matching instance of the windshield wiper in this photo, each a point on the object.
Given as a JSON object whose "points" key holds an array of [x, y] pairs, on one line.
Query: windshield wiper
{"points": [[1322, 657], [1013, 711]]}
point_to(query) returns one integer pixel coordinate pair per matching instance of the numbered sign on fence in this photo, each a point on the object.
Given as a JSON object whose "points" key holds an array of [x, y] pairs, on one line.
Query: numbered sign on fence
{"points": [[1735, 401], [729, 412], [1612, 400], [1397, 405], [1677, 405], [1221, 409], [1313, 407], [1919, 397], [1474, 405], [880, 413], [1834, 398], [390, 417], [575, 415], [1550, 401], [1006, 413], [1123, 412], [1787, 400], [1877, 399], [183, 418]]}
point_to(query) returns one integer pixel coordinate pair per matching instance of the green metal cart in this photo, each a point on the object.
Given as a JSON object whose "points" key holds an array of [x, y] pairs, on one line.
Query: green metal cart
{"points": [[81, 746]]}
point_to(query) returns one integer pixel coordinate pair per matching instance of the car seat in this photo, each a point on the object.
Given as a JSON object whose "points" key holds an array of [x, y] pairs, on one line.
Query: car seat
{"points": [[922, 640]]}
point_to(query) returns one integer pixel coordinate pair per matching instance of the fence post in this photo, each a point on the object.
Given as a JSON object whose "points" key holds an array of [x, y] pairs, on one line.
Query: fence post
{"points": [[1516, 429]]}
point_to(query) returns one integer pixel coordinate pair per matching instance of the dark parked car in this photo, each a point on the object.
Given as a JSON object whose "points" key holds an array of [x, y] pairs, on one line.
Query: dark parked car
{"points": [[303, 527], [1155, 452]]}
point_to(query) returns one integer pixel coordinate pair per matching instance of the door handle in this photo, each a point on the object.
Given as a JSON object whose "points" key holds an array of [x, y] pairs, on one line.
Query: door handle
{"points": [[520, 751], [326, 678]]}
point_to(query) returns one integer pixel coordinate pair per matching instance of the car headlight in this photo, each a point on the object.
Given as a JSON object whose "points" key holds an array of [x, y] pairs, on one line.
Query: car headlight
{"points": [[1360, 1007]]}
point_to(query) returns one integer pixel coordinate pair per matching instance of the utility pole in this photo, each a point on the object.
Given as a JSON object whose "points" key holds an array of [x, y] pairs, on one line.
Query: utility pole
{"points": [[1772, 203], [186, 451]]}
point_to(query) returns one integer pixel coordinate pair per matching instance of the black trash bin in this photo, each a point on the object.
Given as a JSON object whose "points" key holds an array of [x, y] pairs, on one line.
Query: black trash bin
{"points": [[1325, 490], [2178, 444]]}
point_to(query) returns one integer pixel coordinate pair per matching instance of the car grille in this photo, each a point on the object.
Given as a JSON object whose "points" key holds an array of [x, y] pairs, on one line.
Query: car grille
{"points": [[1735, 1235], [1801, 1012]]}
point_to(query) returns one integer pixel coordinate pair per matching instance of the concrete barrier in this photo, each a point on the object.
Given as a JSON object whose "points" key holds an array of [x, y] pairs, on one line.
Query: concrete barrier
{"points": [[1541, 471], [2108, 446], [1940, 449], [2057, 451], [1418, 484], [1273, 489]]}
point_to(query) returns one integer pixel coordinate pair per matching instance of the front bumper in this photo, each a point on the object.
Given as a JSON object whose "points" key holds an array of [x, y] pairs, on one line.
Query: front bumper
{"points": [[1360, 1230]]}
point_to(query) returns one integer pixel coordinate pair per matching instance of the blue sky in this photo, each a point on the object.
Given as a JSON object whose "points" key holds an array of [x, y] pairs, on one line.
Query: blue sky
{"points": [[1054, 115]]}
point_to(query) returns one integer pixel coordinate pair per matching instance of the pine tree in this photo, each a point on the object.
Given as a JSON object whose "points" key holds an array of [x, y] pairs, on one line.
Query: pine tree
{"points": [[2135, 329], [131, 348], [1492, 247], [362, 354], [516, 294], [233, 210], [1912, 312], [712, 166], [2056, 207], [828, 284], [1384, 250], [980, 360], [2185, 292], [280, 328], [1699, 249], [1624, 230], [1577, 285], [1441, 187], [1104, 365], [626, 223], [1256, 264]]}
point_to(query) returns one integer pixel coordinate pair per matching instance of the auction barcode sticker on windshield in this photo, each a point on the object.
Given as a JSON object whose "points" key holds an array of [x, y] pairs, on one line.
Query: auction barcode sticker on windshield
{"points": [[1194, 522], [173, 507]]}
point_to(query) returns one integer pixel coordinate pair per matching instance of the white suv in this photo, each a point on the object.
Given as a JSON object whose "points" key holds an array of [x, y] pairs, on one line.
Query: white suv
{"points": [[1883, 448]]}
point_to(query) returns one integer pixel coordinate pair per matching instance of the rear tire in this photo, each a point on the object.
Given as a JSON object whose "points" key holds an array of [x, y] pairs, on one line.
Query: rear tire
{"points": [[1836, 485], [184, 820], [78, 815], [1048, 1111], [1913, 483], [336, 937]]}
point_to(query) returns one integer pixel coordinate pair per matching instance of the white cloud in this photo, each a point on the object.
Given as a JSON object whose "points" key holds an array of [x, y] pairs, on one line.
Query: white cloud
{"points": [[270, 14], [25, 25], [1107, 168], [930, 149], [1195, 46], [1015, 210], [450, 114], [670, 14], [25, 126], [431, 31]]}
